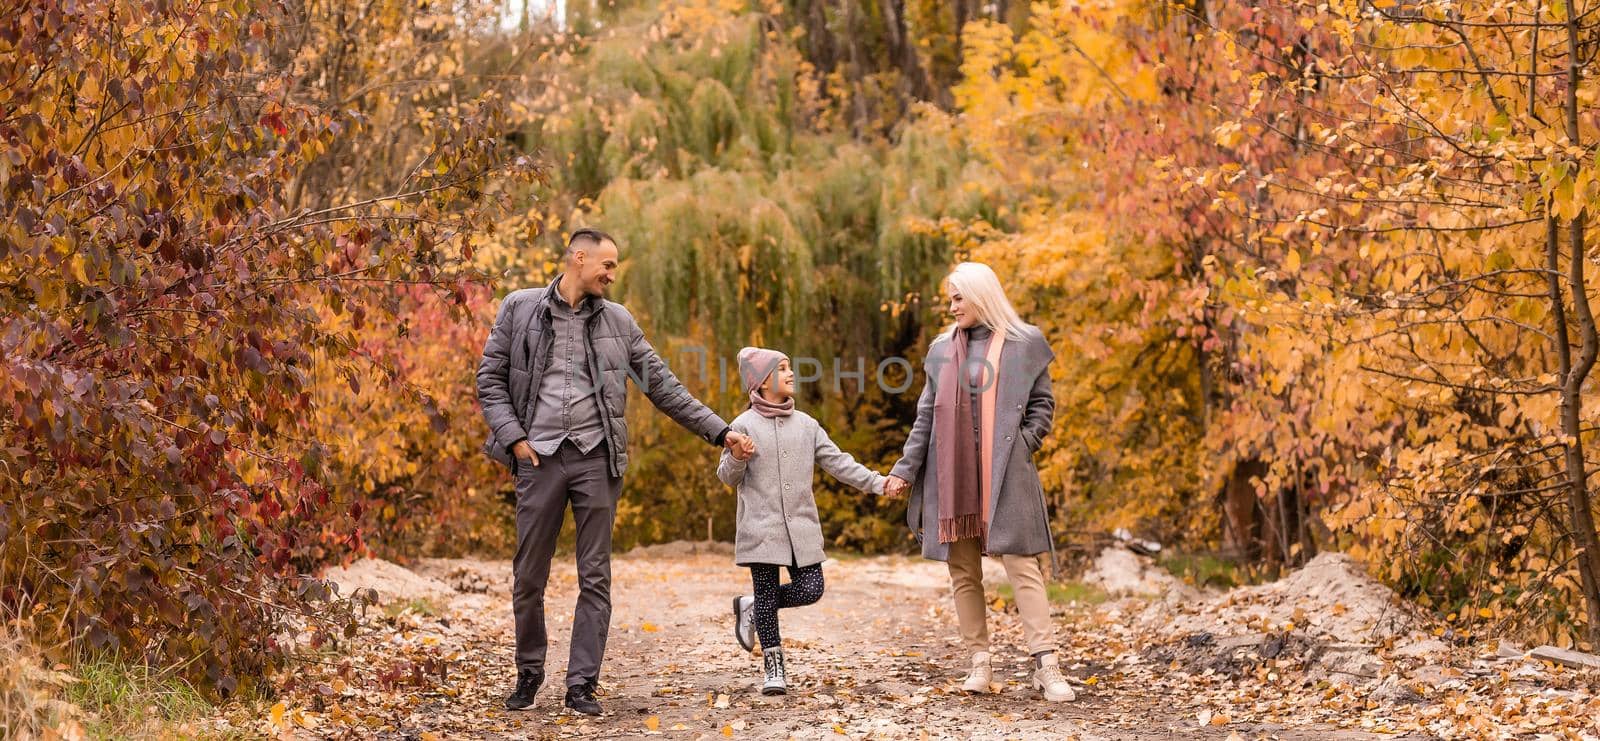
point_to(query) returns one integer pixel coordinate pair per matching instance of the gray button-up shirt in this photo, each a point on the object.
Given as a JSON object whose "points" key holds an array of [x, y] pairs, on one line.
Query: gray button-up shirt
{"points": [[566, 407]]}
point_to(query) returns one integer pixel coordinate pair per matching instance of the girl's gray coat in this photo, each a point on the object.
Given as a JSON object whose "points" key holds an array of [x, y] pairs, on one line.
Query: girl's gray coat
{"points": [[777, 516]]}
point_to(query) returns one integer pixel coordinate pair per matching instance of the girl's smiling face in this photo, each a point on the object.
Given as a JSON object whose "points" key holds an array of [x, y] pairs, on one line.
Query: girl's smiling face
{"points": [[780, 385]]}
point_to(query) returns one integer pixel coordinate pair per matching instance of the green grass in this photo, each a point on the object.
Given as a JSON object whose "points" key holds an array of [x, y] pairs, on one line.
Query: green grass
{"points": [[1062, 593], [122, 700], [425, 607], [1204, 570]]}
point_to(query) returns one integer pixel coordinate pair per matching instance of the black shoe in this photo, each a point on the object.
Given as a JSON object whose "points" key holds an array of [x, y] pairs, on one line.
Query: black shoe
{"points": [[528, 681], [581, 698]]}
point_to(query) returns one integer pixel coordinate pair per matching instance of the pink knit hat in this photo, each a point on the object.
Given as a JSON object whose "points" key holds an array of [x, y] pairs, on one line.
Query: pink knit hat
{"points": [[755, 364]]}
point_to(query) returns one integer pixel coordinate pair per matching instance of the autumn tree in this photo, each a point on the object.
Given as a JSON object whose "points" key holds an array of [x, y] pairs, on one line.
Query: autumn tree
{"points": [[178, 288], [1296, 245], [1451, 141]]}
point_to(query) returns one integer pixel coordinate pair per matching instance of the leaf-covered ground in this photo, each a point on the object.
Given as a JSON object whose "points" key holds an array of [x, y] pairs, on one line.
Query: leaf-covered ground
{"points": [[877, 658]]}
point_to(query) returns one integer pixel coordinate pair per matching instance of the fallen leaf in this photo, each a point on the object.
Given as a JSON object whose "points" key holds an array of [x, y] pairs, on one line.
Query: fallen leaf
{"points": [[653, 722]]}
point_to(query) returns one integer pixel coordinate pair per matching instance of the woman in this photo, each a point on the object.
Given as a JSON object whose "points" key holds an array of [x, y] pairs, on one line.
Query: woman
{"points": [[984, 411]]}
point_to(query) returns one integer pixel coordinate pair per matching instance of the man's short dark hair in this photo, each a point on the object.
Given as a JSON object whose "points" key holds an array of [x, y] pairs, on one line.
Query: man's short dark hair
{"points": [[586, 237]]}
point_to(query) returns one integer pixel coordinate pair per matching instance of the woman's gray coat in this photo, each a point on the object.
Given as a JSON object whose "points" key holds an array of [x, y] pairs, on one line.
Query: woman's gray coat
{"points": [[1024, 410]]}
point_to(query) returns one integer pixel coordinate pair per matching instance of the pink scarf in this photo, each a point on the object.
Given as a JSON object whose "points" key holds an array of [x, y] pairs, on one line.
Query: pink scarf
{"points": [[768, 409], [965, 484]]}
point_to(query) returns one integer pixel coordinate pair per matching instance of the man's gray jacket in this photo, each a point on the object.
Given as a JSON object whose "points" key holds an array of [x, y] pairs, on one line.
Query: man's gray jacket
{"points": [[518, 351]]}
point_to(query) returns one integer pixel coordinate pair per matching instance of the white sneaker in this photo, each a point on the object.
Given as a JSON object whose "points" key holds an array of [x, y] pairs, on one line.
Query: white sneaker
{"points": [[777, 675], [982, 674], [1048, 678], [744, 621]]}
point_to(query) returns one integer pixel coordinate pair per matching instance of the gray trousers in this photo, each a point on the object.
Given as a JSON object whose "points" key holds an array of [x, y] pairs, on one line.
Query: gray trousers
{"points": [[543, 493]]}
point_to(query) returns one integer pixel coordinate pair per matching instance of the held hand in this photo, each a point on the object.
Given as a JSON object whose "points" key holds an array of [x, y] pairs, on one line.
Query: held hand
{"points": [[895, 487], [524, 452], [738, 444]]}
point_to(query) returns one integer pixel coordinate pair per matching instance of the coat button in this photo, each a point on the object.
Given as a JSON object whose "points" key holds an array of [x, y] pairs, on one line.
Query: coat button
{"points": [[1008, 437]]}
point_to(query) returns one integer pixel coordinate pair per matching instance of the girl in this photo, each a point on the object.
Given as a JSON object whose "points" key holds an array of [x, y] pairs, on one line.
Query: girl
{"points": [[984, 412], [777, 516]]}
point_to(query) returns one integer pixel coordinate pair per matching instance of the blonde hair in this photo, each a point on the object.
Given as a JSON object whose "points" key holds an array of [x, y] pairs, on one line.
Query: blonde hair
{"points": [[977, 283]]}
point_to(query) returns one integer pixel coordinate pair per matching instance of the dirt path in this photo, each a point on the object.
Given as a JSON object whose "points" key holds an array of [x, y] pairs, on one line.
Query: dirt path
{"points": [[875, 659]]}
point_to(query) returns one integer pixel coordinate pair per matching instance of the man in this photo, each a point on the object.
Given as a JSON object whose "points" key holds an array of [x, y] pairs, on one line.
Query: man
{"points": [[552, 383]]}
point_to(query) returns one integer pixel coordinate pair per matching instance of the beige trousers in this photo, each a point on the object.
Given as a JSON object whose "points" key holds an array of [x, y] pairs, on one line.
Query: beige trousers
{"points": [[1027, 583]]}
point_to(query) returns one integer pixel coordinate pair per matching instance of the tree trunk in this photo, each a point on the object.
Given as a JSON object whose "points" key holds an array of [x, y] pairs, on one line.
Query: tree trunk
{"points": [[819, 44], [962, 16], [858, 69], [904, 53], [1581, 513], [1242, 521]]}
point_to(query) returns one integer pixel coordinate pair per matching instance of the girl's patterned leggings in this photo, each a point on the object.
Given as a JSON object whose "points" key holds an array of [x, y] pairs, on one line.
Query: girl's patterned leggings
{"points": [[804, 588]]}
